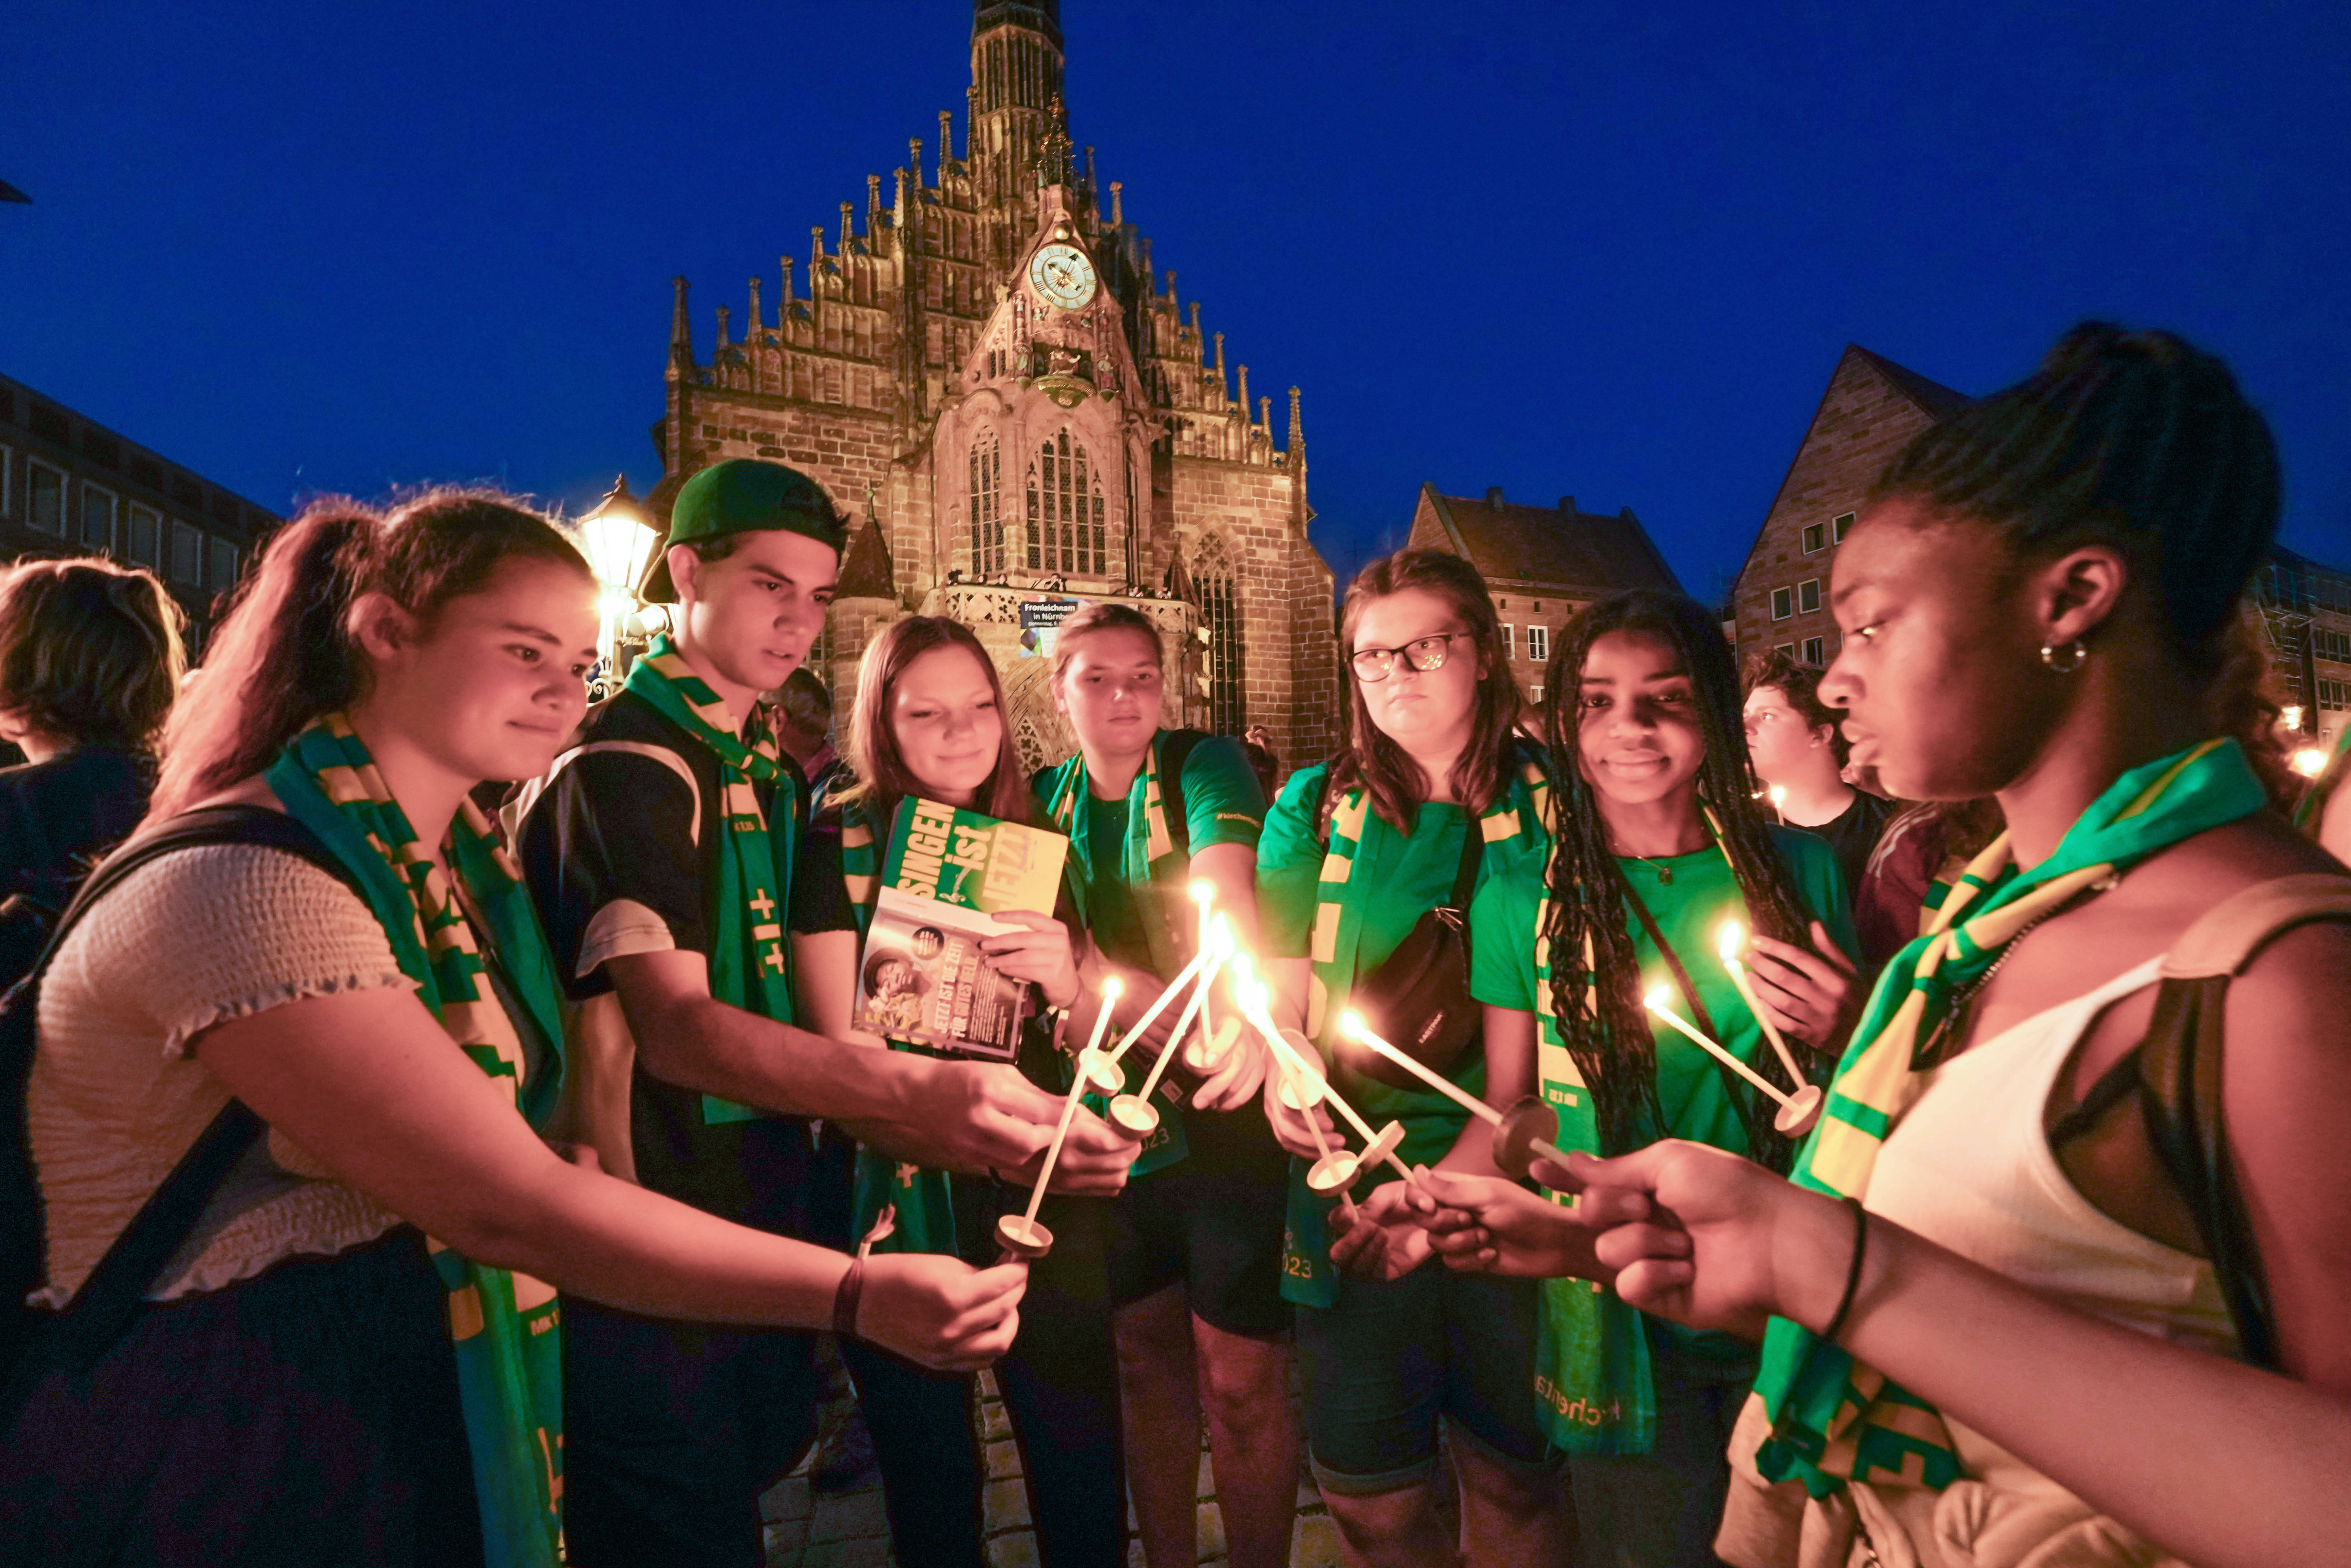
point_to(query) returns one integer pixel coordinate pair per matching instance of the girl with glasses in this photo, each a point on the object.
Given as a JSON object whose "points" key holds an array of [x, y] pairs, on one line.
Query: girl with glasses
{"points": [[1356, 853]]}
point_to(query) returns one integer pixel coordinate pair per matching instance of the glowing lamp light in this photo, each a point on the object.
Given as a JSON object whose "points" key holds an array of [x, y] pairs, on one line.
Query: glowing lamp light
{"points": [[2290, 716], [618, 542], [2310, 762]]}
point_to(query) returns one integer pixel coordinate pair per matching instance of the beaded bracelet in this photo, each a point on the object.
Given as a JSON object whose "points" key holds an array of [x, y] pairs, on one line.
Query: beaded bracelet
{"points": [[1853, 1274]]}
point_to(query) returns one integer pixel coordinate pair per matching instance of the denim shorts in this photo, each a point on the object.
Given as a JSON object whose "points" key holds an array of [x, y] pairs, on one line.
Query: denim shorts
{"points": [[1389, 1357]]}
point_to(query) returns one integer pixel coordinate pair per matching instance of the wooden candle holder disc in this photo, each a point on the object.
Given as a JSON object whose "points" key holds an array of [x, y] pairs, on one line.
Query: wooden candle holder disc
{"points": [[1102, 1074], [1134, 1114], [1802, 1108], [1384, 1144], [1525, 1123], [1332, 1172], [1299, 1093], [1028, 1238], [1205, 1052]]}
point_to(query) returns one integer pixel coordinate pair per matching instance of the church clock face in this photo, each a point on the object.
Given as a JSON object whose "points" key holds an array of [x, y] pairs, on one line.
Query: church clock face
{"points": [[1063, 276]]}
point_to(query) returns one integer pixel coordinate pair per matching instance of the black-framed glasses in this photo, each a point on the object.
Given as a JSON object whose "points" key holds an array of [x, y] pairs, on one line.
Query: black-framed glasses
{"points": [[1423, 654]]}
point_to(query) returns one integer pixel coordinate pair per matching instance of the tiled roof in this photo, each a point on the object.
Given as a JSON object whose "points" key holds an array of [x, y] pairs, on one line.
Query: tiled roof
{"points": [[1940, 401], [865, 565], [1574, 548]]}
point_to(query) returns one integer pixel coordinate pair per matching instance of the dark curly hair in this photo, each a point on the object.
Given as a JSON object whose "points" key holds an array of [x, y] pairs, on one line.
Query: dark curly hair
{"points": [[1598, 1006]]}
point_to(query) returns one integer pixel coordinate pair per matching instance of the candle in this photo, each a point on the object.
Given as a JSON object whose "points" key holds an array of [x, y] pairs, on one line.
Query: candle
{"points": [[1175, 987], [1352, 1025], [1331, 1096], [1111, 986], [1734, 937], [1794, 1109], [1778, 800]]}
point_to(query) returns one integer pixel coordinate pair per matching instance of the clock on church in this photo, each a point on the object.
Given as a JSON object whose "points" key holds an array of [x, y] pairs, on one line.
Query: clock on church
{"points": [[1063, 276]]}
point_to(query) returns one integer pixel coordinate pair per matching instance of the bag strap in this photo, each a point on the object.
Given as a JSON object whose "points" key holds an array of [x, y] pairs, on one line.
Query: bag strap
{"points": [[1473, 854], [1672, 959], [2180, 1080], [102, 1309], [1172, 753]]}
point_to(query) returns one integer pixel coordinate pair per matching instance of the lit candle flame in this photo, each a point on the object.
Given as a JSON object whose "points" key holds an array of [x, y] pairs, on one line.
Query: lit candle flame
{"points": [[1734, 937], [1656, 999], [1203, 891], [1351, 1024], [1221, 941], [2310, 762], [1111, 987]]}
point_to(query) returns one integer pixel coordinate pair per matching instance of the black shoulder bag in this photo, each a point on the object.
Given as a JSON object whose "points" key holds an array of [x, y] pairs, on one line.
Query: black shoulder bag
{"points": [[1417, 997], [33, 1342]]}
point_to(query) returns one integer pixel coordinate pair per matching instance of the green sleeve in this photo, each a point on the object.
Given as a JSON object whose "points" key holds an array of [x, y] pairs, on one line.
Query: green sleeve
{"points": [[1820, 882], [1289, 868], [1223, 803], [1503, 941]]}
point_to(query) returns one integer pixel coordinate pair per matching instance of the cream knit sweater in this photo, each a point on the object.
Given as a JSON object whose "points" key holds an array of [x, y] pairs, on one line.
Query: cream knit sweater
{"points": [[198, 937]]}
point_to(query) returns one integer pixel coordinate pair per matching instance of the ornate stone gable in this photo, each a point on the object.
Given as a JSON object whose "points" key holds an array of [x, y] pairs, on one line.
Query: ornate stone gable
{"points": [[990, 433]]}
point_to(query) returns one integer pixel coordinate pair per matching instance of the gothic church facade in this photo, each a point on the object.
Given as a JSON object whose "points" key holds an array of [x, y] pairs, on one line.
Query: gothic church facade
{"points": [[989, 374]]}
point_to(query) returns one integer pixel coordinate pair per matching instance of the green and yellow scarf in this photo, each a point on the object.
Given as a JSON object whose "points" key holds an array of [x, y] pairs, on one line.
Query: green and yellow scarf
{"points": [[925, 1198], [506, 1328], [1515, 819], [1834, 1418], [2312, 804], [750, 963], [1156, 873]]}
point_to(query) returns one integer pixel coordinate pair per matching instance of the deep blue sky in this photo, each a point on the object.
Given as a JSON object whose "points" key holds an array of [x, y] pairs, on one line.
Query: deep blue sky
{"points": [[1606, 249]]}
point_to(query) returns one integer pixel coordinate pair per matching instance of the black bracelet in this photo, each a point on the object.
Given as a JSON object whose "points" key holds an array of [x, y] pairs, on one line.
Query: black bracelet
{"points": [[1853, 1274], [844, 1300]]}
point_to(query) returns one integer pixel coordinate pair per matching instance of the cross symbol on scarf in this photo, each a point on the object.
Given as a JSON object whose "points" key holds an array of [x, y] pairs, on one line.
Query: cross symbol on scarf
{"points": [[773, 958], [763, 904]]}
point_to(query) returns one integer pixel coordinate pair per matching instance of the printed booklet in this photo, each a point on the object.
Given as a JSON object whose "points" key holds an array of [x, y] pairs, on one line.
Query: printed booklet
{"points": [[921, 978]]}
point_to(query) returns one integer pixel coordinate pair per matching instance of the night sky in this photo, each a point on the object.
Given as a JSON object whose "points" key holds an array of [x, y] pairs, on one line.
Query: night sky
{"points": [[1609, 250]]}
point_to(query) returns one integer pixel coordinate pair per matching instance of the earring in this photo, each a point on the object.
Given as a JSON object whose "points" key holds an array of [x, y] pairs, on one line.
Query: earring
{"points": [[2077, 648]]}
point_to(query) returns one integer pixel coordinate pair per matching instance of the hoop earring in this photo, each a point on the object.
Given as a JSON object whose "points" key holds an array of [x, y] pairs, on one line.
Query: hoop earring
{"points": [[2078, 649]]}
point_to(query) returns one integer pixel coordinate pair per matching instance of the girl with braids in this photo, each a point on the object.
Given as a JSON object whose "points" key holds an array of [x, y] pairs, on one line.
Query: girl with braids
{"points": [[1354, 854], [2060, 1279], [1658, 845], [309, 1019]]}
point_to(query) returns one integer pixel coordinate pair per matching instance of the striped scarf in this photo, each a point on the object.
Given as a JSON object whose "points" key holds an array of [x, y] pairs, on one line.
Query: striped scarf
{"points": [[1517, 817], [750, 967], [1834, 1418], [1155, 875], [506, 1328], [925, 1198], [2311, 807]]}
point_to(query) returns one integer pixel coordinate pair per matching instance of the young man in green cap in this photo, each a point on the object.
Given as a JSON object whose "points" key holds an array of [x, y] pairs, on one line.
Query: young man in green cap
{"points": [[660, 852]]}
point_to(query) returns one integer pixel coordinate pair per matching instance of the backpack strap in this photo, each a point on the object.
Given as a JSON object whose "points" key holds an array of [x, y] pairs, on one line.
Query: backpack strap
{"points": [[102, 1310], [1173, 752], [2180, 1080]]}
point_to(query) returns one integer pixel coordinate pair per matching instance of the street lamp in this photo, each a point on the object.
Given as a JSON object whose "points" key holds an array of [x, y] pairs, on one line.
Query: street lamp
{"points": [[620, 544]]}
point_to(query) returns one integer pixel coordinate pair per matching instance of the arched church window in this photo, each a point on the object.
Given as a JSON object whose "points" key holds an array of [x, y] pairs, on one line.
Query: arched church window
{"points": [[986, 464], [1066, 530], [1212, 584]]}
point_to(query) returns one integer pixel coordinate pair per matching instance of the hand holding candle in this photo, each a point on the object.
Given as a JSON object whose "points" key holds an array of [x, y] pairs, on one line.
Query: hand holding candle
{"points": [[1796, 1111]]}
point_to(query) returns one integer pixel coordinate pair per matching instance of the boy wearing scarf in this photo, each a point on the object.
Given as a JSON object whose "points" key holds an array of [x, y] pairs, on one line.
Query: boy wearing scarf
{"points": [[660, 850]]}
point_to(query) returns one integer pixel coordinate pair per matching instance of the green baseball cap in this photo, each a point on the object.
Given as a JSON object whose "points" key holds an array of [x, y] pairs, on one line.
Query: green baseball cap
{"points": [[741, 496]]}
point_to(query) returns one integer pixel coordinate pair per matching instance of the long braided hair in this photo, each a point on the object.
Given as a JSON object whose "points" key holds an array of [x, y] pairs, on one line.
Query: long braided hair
{"points": [[1598, 1006]]}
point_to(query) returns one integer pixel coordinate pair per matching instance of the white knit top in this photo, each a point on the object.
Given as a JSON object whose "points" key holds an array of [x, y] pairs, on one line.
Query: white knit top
{"points": [[197, 937]]}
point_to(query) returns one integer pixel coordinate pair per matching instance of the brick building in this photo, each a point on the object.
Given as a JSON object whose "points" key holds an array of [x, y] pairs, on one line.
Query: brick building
{"points": [[2306, 616], [986, 371], [1872, 406], [1542, 564], [69, 486]]}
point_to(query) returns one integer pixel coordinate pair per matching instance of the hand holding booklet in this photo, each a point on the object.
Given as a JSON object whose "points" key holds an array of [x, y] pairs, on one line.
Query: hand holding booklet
{"points": [[947, 872]]}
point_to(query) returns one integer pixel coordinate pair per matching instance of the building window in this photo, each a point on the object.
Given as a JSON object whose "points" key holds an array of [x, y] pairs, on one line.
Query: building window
{"points": [[187, 554], [2331, 694], [1812, 651], [1065, 511], [2329, 644], [1534, 693], [146, 529], [1782, 604], [1538, 643], [1220, 614], [220, 565], [97, 518], [1509, 642], [1808, 595], [1787, 648], [45, 497], [1816, 538], [1844, 521], [986, 474]]}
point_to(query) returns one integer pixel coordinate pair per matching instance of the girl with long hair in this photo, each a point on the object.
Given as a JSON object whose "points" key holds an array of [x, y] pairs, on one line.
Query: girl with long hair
{"points": [[324, 1020], [1195, 1240], [1659, 847], [2061, 1276], [929, 724], [1431, 790], [91, 659]]}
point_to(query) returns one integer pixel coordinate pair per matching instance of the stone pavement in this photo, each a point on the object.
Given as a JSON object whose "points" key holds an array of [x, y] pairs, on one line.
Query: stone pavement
{"points": [[848, 1531]]}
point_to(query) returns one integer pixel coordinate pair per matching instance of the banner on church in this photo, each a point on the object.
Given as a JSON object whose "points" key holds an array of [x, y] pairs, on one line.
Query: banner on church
{"points": [[1040, 620], [921, 977]]}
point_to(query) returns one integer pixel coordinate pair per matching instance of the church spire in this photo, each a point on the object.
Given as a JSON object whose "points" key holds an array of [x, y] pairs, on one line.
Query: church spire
{"points": [[1016, 84], [681, 328]]}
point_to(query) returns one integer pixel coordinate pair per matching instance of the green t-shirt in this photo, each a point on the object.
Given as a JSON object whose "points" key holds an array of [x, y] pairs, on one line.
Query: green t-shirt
{"points": [[1414, 873], [1223, 804], [1690, 910]]}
